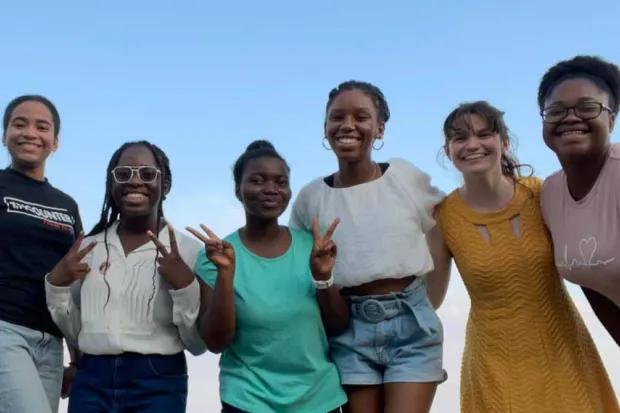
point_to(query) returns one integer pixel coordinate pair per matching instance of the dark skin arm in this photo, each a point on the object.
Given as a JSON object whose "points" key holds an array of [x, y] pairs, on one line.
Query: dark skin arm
{"points": [[334, 311], [334, 308], [607, 312], [217, 305], [218, 321]]}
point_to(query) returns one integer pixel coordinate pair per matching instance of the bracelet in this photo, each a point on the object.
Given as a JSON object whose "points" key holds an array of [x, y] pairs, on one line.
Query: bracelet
{"points": [[324, 285]]}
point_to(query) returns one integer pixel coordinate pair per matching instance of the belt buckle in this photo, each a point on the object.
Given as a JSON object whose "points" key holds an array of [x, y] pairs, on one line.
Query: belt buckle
{"points": [[373, 310]]}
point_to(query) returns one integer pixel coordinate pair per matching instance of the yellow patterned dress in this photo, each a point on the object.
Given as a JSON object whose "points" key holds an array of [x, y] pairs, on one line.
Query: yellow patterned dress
{"points": [[527, 350]]}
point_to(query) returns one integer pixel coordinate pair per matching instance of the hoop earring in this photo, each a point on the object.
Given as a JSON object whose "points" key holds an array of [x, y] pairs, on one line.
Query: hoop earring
{"points": [[326, 147], [379, 148]]}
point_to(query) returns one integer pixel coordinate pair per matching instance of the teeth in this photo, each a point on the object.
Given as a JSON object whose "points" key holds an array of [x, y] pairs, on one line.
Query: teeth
{"points": [[347, 141], [135, 197], [474, 156], [572, 133]]}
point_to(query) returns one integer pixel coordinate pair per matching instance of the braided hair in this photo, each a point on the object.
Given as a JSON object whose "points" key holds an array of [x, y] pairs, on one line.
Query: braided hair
{"points": [[110, 212], [373, 92]]}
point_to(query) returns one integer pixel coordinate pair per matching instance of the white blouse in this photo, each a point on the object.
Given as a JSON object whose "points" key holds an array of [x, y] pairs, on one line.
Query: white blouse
{"points": [[382, 227], [142, 314]]}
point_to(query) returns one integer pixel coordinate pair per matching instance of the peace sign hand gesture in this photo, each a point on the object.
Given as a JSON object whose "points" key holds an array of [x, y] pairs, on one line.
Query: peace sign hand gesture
{"points": [[218, 251], [171, 267], [71, 268], [324, 251]]}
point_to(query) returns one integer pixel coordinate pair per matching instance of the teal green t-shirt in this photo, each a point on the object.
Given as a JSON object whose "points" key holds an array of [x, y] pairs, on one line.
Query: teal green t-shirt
{"points": [[279, 361]]}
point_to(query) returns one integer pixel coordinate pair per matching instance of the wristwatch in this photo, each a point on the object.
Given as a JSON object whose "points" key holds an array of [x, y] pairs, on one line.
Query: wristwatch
{"points": [[324, 285]]}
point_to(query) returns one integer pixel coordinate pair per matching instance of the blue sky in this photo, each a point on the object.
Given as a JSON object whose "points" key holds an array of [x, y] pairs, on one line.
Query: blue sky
{"points": [[204, 79]]}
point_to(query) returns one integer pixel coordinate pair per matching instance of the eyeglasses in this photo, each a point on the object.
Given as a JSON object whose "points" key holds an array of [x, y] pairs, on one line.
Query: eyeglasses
{"points": [[146, 174], [583, 110]]}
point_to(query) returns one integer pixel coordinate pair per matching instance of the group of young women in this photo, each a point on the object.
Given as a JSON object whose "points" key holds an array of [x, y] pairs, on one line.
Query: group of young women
{"points": [[336, 311]]}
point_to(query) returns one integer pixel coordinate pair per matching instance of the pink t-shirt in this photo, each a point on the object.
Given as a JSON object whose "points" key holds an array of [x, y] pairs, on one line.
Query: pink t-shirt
{"points": [[586, 233]]}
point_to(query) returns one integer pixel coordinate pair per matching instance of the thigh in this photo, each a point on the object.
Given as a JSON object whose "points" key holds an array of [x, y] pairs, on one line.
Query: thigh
{"points": [[364, 399], [89, 393], [21, 389], [49, 363], [356, 355], [409, 397], [160, 385]]}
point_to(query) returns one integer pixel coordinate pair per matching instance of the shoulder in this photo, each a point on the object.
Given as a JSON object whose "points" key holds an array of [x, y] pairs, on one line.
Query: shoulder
{"points": [[614, 153], [311, 188], [553, 181], [532, 183], [301, 237], [447, 204], [188, 245], [62, 197]]}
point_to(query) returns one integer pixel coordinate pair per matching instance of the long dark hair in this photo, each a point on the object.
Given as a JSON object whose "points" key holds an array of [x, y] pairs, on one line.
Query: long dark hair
{"points": [[110, 212]]}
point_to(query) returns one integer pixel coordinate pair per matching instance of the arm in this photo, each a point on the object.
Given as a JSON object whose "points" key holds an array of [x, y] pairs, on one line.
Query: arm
{"points": [[437, 280], [334, 311], [607, 312], [185, 310], [218, 322], [64, 311]]}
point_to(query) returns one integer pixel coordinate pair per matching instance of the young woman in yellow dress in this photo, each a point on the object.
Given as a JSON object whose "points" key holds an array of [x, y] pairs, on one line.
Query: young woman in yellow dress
{"points": [[526, 349]]}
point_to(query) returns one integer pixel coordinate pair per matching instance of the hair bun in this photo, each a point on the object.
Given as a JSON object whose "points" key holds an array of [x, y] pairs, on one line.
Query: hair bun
{"points": [[260, 144]]}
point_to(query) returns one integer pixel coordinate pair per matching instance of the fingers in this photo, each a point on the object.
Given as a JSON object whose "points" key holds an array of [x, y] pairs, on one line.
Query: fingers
{"points": [[197, 234], [84, 251], [210, 233], [316, 234], [160, 247], [173, 239], [331, 229], [78, 242]]}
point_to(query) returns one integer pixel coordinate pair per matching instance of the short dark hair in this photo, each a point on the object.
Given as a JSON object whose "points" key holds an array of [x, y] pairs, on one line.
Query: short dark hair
{"points": [[495, 121], [257, 149], [10, 108], [370, 90], [604, 74]]}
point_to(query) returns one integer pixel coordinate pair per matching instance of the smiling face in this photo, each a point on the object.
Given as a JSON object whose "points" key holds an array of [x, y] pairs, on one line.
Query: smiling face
{"points": [[29, 136], [352, 125], [473, 147], [265, 190], [572, 135], [140, 193]]}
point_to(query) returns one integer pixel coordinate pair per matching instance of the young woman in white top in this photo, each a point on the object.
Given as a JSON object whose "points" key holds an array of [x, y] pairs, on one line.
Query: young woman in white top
{"points": [[129, 298], [390, 358]]}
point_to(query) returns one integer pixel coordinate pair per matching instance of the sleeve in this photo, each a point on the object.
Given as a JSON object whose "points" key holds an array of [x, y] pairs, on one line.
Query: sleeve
{"points": [[424, 195], [205, 269], [63, 303], [544, 193], [186, 302], [77, 226], [299, 218]]}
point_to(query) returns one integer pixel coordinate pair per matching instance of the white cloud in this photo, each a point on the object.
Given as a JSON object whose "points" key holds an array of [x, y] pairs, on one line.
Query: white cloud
{"points": [[223, 214]]}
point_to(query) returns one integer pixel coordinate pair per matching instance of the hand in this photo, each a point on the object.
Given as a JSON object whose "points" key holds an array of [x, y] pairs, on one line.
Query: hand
{"points": [[171, 267], [67, 378], [324, 251], [71, 268], [219, 252]]}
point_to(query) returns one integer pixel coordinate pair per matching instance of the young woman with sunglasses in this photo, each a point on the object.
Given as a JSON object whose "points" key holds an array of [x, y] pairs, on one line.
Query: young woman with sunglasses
{"points": [[38, 225], [579, 101], [127, 296]]}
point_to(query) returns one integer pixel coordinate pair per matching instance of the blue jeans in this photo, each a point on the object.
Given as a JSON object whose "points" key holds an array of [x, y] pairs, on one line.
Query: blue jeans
{"points": [[130, 383], [393, 338], [31, 370]]}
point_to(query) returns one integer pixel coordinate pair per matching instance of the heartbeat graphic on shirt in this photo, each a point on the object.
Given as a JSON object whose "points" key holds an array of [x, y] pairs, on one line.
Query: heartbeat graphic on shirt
{"points": [[587, 250]]}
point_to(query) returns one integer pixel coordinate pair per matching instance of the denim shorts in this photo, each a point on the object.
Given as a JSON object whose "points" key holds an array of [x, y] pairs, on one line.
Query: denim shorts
{"points": [[392, 338]]}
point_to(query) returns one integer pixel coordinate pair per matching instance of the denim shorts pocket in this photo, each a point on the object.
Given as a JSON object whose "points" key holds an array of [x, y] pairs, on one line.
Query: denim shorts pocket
{"points": [[167, 366]]}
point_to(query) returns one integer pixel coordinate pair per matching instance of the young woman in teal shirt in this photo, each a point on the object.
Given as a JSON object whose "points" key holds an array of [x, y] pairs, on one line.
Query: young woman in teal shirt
{"points": [[270, 289]]}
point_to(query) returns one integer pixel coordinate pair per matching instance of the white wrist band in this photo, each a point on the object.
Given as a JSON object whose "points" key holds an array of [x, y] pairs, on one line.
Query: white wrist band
{"points": [[324, 285]]}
